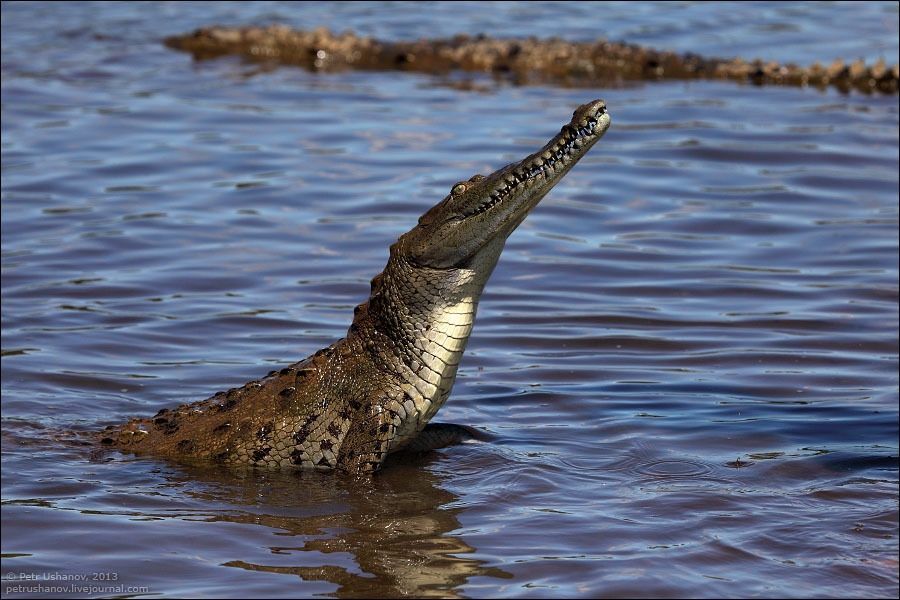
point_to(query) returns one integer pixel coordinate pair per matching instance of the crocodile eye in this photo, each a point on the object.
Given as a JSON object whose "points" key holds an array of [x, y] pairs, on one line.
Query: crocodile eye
{"points": [[458, 189]]}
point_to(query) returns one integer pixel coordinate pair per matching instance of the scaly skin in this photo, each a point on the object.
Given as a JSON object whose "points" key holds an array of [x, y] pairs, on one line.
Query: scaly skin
{"points": [[598, 63], [374, 392]]}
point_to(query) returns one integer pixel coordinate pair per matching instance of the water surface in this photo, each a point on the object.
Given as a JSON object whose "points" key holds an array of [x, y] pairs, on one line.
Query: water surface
{"points": [[686, 359]]}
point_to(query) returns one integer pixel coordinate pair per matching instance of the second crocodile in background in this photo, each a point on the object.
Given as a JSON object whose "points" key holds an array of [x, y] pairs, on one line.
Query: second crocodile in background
{"points": [[374, 392]]}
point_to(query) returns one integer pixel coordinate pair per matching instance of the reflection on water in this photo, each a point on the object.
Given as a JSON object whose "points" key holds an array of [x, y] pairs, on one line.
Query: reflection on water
{"points": [[391, 538], [685, 362]]}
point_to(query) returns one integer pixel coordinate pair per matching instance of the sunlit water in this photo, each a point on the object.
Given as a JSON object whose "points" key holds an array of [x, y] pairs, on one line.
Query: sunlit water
{"points": [[686, 360]]}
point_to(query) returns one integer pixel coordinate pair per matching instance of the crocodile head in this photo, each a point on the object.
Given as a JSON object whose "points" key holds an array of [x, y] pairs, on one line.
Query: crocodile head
{"points": [[469, 227]]}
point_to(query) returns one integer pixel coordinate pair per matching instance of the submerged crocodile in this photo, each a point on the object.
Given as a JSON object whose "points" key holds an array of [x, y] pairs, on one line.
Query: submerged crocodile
{"points": [[589, 63], [374, 392]]}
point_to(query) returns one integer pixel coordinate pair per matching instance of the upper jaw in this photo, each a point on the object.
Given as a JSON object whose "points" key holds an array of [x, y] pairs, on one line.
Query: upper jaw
{"points": [[524, 183], [473, 222]]}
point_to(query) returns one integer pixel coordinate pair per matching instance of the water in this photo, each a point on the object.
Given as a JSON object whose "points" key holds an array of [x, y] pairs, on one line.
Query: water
{"points": [[686, 359]]}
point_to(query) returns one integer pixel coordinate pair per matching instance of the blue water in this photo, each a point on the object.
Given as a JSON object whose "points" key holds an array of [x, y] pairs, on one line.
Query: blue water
{"points": [[686, 361]]}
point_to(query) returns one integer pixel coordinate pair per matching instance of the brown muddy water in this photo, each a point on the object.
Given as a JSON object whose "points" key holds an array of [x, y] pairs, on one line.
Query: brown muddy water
{"points": [[686, 360]]}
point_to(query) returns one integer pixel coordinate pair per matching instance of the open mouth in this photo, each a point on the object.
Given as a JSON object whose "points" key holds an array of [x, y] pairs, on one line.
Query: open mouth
{"points": [[563, 150]]}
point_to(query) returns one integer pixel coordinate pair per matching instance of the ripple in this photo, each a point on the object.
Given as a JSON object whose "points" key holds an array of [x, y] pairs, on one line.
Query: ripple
{"points": [[674, 469]]}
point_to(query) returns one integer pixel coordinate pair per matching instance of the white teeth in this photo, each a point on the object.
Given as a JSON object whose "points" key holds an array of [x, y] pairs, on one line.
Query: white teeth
{"points": [[543, 165]]}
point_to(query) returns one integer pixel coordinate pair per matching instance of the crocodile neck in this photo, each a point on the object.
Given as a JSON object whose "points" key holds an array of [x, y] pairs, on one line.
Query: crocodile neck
{"points": [[415, 325]]}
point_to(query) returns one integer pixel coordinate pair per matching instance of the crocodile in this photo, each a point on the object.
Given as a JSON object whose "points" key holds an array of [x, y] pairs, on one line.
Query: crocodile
{"points": [[589, 63], [374, 392]]}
